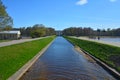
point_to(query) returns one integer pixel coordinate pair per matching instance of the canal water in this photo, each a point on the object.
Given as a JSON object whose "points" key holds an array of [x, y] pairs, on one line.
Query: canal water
{"points": [[62, 62]]}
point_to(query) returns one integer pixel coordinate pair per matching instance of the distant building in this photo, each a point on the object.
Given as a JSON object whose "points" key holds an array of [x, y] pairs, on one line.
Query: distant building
{"points": [[10, 35], [59, 33]]}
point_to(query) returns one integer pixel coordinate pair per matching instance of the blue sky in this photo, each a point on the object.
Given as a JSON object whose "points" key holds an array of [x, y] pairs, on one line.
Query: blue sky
{"points": [[61, 14]]}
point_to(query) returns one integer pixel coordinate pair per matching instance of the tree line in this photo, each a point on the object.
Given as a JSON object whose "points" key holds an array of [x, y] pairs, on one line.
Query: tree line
{"points": [[37, 30], [87, 31]]}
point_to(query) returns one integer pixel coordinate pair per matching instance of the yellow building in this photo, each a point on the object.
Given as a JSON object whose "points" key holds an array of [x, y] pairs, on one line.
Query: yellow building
{"points": [[9, 35]]}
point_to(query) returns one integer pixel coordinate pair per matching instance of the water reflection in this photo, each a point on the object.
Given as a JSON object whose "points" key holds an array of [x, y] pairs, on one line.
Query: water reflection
{"points": [[62, 62]]}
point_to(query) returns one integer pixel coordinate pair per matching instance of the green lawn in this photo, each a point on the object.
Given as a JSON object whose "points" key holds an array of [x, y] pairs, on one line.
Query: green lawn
{"points": [[15, 56], [107, 53]]}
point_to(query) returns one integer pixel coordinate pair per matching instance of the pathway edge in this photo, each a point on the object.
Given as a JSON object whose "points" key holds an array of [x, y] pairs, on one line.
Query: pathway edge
{"points": [[111, 70]]}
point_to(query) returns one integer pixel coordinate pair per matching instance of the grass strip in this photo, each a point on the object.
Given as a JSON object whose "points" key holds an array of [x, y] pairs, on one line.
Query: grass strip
{"points": [[106, 53], [13, 57]]}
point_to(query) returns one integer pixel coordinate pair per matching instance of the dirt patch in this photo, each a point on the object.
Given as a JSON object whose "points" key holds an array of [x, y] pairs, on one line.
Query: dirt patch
{"points": [[85, 55]]}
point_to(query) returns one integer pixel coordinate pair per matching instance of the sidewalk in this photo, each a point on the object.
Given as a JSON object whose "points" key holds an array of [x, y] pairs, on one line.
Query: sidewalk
{"points": [[2, 44], [99, 41]]}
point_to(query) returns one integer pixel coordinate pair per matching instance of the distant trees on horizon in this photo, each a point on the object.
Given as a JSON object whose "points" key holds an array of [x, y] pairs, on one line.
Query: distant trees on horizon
{"points": [[87, 31], [37, 30]]}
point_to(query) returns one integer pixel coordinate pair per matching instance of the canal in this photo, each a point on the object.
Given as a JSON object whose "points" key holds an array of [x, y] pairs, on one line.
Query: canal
{"points": [[62, 62]]}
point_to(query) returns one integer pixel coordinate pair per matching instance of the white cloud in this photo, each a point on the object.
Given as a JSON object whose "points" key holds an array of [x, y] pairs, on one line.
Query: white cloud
{"points": [[113, 0], [82, 2]]}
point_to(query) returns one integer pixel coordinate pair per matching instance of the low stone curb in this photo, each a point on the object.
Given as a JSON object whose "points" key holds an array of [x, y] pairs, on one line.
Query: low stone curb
{"points": [[22, 70], [105, 66]]}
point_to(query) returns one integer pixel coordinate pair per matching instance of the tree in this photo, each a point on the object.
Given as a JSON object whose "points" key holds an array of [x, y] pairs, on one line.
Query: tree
{"points": [[7, 28], [38, 30], [98, 32], [5, 20], [74, 31], [50, 31]]}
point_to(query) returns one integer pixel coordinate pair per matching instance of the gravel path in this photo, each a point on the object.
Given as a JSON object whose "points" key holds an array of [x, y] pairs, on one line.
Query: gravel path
{"points": [[100, 41], [2, 44]]}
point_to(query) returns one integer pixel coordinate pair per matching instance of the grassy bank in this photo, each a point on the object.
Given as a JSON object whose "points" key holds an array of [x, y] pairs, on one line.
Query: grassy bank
{"points": [[15, 56], [107, 53]]}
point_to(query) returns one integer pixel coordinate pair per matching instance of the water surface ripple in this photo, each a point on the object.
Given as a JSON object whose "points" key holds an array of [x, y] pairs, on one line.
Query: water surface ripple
{"points": [[62, 62]]}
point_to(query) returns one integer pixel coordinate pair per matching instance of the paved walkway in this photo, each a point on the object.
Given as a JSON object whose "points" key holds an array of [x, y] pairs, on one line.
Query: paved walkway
{"points": [[100, 41], [2, 44]]}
